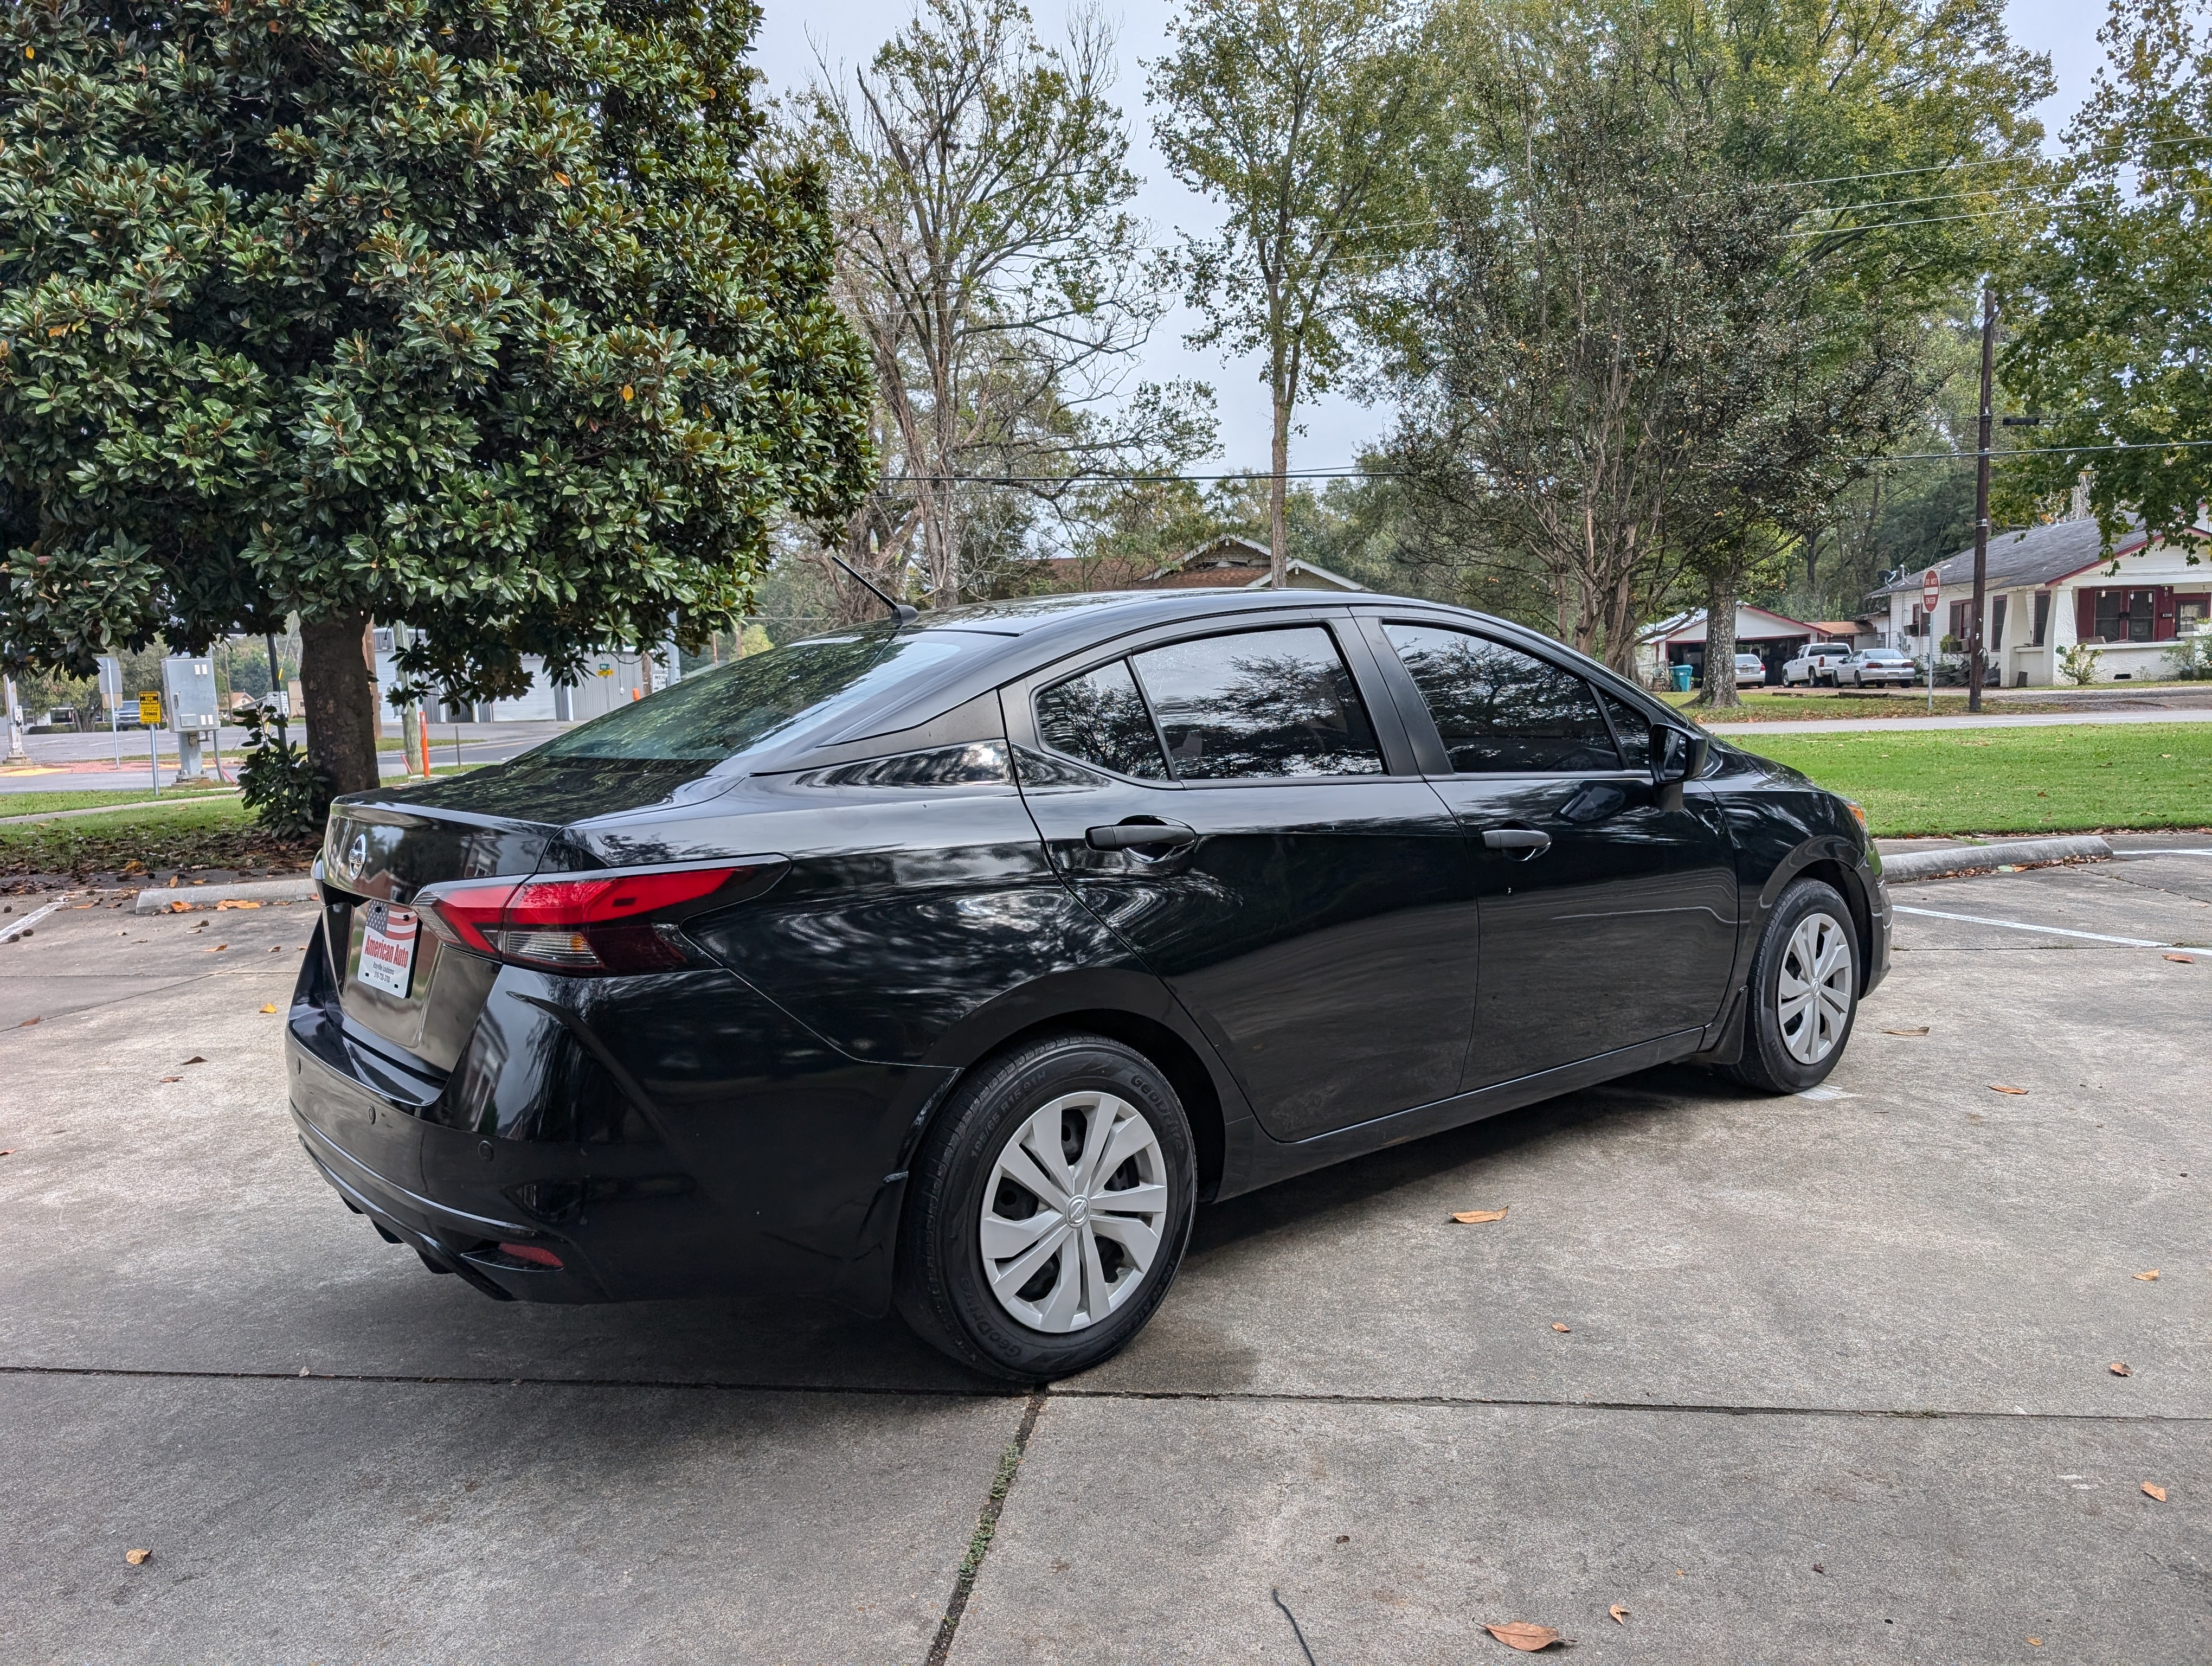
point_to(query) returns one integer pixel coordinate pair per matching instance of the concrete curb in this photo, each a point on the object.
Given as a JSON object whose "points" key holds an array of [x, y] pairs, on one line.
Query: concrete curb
{"points": [[300, 889], [1983, 858]]}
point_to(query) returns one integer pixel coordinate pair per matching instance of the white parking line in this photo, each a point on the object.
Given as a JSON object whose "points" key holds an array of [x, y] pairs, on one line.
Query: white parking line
{"points": [[9, 934], [2022, 925], [2136, 856]]}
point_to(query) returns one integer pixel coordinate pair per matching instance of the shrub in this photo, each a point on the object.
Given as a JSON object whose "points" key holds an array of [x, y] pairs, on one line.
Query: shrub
{"points": [[2190, 659], [2078, 665], [288, 793]]}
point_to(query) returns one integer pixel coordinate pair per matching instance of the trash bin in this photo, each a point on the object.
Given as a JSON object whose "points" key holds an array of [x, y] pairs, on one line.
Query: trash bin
{"points": [[1682, 676]]}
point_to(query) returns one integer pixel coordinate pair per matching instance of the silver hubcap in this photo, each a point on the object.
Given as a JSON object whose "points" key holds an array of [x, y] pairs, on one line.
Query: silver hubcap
{"points": [[1073, 1211], [1813, 998]]}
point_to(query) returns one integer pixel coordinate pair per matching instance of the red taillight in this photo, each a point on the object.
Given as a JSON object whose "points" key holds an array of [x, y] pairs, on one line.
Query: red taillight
{"points": [[532, 1254], [602, 922]]}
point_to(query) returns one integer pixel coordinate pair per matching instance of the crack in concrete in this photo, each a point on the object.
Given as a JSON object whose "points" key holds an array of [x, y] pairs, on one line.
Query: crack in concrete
{"points": [[986, 1525], [1260, 1397]]}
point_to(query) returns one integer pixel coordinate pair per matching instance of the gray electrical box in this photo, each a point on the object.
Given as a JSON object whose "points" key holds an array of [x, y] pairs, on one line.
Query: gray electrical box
{"points": [[190, 686]]}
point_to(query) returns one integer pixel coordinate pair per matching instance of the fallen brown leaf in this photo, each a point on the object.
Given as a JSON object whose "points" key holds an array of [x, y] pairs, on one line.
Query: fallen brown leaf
{"points": [[1999, 1087], [1523, 1635], [1476, 1217], [2150, 1277], [235, 902], [180, 908], [1619, 1614], [172, 1079], [2181, 960], [26, 1023], [2119, 1368], [2034, 1642], [2155, 1491], [270, 1007], [1917, 1029], [1561, 1328], [137, 1558], [196, 1059], [10, 1152]]}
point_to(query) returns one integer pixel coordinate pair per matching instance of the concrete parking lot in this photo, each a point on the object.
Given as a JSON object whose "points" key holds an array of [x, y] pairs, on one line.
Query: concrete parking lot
{"points": [[1827, 1378]]}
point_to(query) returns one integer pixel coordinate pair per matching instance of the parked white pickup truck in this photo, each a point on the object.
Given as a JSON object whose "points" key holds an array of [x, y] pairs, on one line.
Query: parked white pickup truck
{"points": [[1816, 664]]}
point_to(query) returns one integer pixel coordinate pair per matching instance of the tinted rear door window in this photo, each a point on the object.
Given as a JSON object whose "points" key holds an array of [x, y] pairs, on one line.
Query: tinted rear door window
{"points": [[1099, 718], [1259, 704], [1499, 710]]}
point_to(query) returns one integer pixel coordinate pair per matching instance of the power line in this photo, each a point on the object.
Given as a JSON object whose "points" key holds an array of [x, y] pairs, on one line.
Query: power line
{"points": [[1256, 476]]}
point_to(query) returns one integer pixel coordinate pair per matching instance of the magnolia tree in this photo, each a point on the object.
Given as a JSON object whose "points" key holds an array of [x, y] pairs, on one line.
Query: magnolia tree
{"points": [[487, 320]]}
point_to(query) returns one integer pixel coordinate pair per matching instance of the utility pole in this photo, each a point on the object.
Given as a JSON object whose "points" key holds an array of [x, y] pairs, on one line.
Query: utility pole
{"points": [[1981, 508]]}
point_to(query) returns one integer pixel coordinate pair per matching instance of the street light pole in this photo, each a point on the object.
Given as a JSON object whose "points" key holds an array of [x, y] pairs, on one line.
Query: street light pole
{"points": [[1981, 508]]}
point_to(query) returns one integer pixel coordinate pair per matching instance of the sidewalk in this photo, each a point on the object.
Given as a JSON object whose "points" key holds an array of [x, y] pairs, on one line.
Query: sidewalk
{"points": [[63, 762]]}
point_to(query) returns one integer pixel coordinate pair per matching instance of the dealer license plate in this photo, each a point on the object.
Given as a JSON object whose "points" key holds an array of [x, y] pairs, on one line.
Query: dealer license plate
{"points": [[387, 948]]}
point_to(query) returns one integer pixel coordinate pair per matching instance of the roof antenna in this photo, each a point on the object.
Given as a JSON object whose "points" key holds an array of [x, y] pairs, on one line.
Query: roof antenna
{"points": [[907, 615]]}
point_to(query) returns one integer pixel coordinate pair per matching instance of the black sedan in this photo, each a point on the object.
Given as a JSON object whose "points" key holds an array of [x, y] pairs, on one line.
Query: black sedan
{"points": [[953, 963]]}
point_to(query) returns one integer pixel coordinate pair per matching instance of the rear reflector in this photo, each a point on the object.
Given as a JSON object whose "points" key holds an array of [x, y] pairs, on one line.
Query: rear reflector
{"points": [[601, 922], [532, 1254]]}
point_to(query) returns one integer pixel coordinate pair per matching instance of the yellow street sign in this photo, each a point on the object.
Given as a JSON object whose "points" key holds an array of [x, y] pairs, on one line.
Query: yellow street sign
{"points": [[149, 711]]}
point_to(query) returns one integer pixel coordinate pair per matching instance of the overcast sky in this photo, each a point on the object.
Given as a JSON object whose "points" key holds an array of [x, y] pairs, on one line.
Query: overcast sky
{"points": [[850, 30]]}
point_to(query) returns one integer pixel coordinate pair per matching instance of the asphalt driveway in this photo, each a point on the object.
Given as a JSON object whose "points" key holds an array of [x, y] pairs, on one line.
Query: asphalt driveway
{"points": [[1821, 1378]]}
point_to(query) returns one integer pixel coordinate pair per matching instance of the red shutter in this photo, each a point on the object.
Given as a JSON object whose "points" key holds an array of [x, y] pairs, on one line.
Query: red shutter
{"points": [[2085, 615], [2162, 600]]}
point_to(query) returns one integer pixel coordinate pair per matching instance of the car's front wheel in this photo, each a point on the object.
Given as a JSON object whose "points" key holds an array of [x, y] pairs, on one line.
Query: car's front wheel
{"points": [[1047, 1208], [1804, 991]]}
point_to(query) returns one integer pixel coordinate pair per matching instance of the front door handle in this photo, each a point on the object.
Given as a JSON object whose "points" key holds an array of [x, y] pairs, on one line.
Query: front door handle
{"points": [[1132, 835], [1527, 841]]}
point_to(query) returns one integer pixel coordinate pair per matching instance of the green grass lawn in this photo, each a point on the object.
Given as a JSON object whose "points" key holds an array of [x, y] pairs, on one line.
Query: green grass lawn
{"points": [[41, 804], [205, 832], [2078, 778]]}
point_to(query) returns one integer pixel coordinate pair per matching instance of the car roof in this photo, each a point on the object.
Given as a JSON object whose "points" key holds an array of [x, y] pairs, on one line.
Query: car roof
{"points": [[1033, 633]]}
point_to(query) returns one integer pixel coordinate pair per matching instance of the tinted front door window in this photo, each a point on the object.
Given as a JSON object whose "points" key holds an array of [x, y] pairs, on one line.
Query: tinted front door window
{"points": [[1500, 711], [1259, 703], [1099, 718]]}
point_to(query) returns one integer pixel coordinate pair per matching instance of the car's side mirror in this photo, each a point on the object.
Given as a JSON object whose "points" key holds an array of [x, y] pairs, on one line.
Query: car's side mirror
{"points": [[1677, 756]]}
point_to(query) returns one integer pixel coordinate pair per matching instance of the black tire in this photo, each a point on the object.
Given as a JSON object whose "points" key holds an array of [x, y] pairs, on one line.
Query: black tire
{"points": [[941, 1284], [1769, 1062]]}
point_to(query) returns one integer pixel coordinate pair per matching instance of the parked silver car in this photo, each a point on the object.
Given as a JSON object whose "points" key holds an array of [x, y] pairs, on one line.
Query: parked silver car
{"points": [[1874, 667]]}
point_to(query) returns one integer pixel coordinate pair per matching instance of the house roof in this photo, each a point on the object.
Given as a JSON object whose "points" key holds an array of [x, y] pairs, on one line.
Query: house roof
{"points": [[1766, 626], [2038, 555], [1233, 561]]}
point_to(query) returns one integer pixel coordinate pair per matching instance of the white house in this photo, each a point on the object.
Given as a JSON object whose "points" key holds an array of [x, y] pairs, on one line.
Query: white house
{"points": [[2049, 588]]}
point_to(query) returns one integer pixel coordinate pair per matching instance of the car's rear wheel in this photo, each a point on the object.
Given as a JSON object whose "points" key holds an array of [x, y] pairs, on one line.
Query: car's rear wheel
{"points": [[1804, 991], [1048, 1209]]}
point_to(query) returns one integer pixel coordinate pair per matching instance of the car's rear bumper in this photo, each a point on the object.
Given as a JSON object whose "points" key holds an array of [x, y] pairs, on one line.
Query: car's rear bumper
{"points": [[660, 1137]]}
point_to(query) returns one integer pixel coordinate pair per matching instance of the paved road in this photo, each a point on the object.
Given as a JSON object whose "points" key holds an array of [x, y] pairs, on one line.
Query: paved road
{"points": [[1988, 719], [1835, 1385], [71, 762]]}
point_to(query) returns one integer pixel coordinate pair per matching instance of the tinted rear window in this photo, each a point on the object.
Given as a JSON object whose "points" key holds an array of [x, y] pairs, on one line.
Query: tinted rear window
{"points": [[1099, 718], [715, 715]]}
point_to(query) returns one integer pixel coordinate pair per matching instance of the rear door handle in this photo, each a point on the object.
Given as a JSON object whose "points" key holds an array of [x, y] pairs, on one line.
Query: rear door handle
{"points": [[1131, 835], [1526, 840]]}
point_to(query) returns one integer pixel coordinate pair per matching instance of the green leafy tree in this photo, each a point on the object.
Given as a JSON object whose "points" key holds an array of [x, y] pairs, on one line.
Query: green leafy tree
{"points": [[1311, 121], [481, 318], [1678, 296], [2111, 336]]}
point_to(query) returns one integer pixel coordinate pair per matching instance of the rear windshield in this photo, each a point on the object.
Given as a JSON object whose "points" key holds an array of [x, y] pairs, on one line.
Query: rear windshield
{"points": [[715, 715]]}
